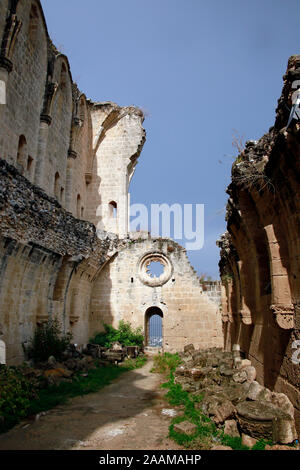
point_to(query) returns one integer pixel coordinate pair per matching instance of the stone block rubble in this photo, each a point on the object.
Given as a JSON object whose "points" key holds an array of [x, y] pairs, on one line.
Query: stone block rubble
{"points": [[53, 372], [232, 397]]}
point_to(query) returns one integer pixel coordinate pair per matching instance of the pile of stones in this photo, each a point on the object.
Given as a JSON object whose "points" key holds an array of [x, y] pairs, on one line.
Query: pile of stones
{"points": [[53, 372], [232, 397], [116, 354]]}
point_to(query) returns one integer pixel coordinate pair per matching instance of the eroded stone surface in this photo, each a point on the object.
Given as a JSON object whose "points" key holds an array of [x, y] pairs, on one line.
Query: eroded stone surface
{"points": [[260, 251]]}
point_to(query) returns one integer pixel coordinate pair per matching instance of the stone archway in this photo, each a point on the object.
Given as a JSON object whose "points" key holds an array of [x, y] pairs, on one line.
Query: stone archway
{"points": [[154, 327]]}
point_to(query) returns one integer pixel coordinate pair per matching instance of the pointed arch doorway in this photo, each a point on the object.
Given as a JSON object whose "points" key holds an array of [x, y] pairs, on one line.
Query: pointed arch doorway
{"points": [[154, 327]]}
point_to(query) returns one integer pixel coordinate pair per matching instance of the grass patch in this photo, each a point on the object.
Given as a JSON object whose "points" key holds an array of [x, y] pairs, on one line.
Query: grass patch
{"points": [[59, 394], [165, 363], [137, 363]]}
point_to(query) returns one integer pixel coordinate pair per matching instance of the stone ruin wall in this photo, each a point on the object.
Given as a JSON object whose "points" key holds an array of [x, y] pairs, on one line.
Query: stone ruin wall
{"points": [[47, 257], [50, 139], [65, 165], [260, 252], [122, 293]]}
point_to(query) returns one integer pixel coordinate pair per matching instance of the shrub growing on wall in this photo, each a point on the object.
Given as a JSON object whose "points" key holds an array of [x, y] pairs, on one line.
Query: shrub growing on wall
{"points": [[125, 334], [48, 340]]}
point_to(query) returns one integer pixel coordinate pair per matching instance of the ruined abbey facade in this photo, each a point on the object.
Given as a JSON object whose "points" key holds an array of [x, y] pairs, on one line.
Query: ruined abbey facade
{"points": [[260, 264], [66, 249]]}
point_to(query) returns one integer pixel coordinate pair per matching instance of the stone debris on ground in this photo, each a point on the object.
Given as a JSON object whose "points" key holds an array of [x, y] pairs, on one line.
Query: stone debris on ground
{"points": [[44, 374], [233, 399], [185, 427]]}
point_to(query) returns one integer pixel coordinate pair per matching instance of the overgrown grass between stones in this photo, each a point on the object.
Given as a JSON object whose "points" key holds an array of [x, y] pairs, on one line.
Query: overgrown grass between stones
{"points": [[207, 433]]}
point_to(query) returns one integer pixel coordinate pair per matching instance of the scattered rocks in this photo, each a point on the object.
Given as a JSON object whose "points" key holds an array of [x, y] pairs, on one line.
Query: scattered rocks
{"points": [[222, 411], [245, 363], [240, 377], [232, 397], [185, 427], [231, 428], [255, 390], [169, 412], [248, 441], [250, 372], [282, 401]]}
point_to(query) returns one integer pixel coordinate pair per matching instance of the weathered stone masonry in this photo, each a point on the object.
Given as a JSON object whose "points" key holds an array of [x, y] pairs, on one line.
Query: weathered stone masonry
{"points": [[65, 249], [260, 252]]}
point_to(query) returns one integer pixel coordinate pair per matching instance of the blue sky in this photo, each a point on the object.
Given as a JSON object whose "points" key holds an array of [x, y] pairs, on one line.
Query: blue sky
{"points": [[199, 69]]}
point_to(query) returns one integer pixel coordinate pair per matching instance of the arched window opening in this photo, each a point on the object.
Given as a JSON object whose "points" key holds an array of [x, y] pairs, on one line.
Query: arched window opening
{"points": [[154, 327], [57, 186], [22, 153], [33, 25], [113, 210], [82, 212], [29, 166], [62, 192]]}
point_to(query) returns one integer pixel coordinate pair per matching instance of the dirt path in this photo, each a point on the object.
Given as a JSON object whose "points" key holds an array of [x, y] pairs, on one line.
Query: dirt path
{"points": [[124, 415]]}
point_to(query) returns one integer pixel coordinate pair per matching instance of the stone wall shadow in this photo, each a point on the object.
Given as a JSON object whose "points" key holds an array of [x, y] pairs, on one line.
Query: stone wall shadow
{"points": [[99, 416]]}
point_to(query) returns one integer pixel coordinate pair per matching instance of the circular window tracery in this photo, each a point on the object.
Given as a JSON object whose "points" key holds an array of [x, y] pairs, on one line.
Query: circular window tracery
{"points": [[151, 276]]}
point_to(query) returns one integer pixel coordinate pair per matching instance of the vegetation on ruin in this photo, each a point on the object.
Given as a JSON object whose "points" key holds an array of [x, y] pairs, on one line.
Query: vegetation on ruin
{"points": [[81, 385], [207, 434], [125, 335], [48, 340], [165, 363], [18, 399], [15, 396]]}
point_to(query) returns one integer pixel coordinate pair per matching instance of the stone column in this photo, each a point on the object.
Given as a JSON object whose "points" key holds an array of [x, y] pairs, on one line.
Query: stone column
{"points": [[40, 177], [282, 306], [72, 155]]}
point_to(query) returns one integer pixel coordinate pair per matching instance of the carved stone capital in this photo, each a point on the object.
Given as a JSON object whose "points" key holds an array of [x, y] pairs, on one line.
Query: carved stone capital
{"points": [[246, 317], [225, 318], [284, 315]]}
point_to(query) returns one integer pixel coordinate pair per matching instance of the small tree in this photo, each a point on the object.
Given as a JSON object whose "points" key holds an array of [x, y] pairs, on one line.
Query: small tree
{"points": [[125, 334], [48, 340]]}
